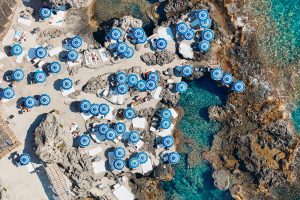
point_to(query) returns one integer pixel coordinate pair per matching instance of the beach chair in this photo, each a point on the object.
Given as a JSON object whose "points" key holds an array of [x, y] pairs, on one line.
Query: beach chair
{"points": [[99, 167], [67, 92], [19, 58], [30, 167], [95, 151]]}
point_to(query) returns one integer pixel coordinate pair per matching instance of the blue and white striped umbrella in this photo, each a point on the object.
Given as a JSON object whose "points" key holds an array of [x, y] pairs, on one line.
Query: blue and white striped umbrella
{"points": [[76, 42], [119, 152], [238, 86], [161, 44], [173, 158], [181, 87], [16, 50], [133, 162], [41, 52], [120, 127], [84, 141], [142, 157], [216, 74], [182, 28], [119, 164], [208, 35], [111, 134], [187, 70], [129, 53], [122, 47], [166, 114], [121, 77], [138, 33], [18, 75], [204, 46], [66, 84], [30, 102], [141, 85], [132, 80], [122, 88], [165, 124], [227, 79], [44, 99], [189, 35], [104, 109], [8, 93], [94, 109], [85, 106], [134, 137], [205, 23], [55, 67], [202, 15], [103, 128], [115, 34], [24, 159], [72, 55], [154, 76], [142, 40], [168, 141], [45, 12], [129, 113], [39, 77], [151, 84]]}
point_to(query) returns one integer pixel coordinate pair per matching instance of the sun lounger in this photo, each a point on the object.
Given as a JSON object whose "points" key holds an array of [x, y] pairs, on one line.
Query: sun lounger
{"points": [[4, 100], [86, 116], [58, 19], [55, 51], [139, 123], [24, 21], [120, 99], [103, 55], [122, 193], [95, 151], [35, 61], [73, 64], [138, 145], [19, 58], [30, 167], [157, 92], [67, 92], [165, 32], [41, 64], [111, 159], [147, 167], [109, 116], [174, 113], [99, 166]]}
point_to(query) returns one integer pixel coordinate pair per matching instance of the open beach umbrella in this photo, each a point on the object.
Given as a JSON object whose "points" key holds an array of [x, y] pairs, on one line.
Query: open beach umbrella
{"points": [[44, 99], [166, 114], [39, 77], [8, 93], [119, 152], [227, 79], [168, 141], [161, 44], [94, 109], [111, 134], [189, 35], [55, 67], [216, 74], [115, 34], [121, 77], [181, 28], [204, 46], [138, 33], [238, 86], [132, 80], [129, 113], [72, 55], [122, 88], [154, 76], [129, 52], [141, 85], [119, 164], [18, 75], [103, 128], [84, 141], [206, 23], [24, 159], [142, 40], [134, 137], [120, 127], [133, 162], [16, 50], [151, 84], [66, 84], [41, 52], [104, 109], [187, 71], [85, 106], [181, 87], [45, 12], [208, 35], [165, 124], [76, 42], [30, 102], [142, 157], [122, 47], [202, 15], [173, 158]]}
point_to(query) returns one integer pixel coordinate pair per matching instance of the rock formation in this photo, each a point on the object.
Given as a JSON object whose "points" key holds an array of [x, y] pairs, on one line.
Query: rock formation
{"points": [[5, 193], [7, 11], [95, 83], [73, 3], [158, 58]]}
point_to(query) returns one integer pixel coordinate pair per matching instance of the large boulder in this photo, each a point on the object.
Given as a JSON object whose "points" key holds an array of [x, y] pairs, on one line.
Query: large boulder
{"points": [[158, 58], [72, 3]]}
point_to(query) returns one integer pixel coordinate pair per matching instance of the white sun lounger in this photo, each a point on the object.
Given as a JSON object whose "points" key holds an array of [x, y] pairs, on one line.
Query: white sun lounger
{"points": [[4, 100], [99, 166], [95, 151], [30, 167], [139, 123], [122, 193], [147, 167], [86, 116], [67, 92], [55, 51], [109, 116], [138, 145], [24, 21], [103, 55], [120, 99], [157, 92], [174, 113], [165, 32], [19, 58]]}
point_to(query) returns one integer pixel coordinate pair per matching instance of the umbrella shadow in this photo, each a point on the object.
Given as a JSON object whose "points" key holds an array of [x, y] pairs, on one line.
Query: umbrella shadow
{"points": [[63, 56], [7, 76], [74, 106], [47, 186], [57, 84], [7, 50]]}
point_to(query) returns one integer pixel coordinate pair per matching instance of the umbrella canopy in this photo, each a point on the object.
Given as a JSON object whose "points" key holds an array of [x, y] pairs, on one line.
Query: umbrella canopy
{"points": [[238, 86], [18, 75], [66, 84], [122, 47], [168, 141], [204, 46], [104, 109], [119, 152], [181, 28], [122, 88], [121, 77], [202, 15], [85, 106], [44, 99], [76, 42], [165, 124], [115, 34], [181, 87], [111, 134], [187, 70], [16, 50], [206, 23], [227, 79], [138, 33], [216, 74], [129, 53], [189, 35], [154, 76], [151, 84], [39, 77], [41, 52], [133, 162], [129, 113], [30, 102], [84, 141], [8, 93], [173, 158], [134, 137], [120, 127], [45, 12], [103, 128], [72, 55], [132, 79], [119, 164], [161, 44], [208, 35], [141, 85], [94, 109], [166, 114], [24, 159], [142, 157], [142, 40], [55, 67]]}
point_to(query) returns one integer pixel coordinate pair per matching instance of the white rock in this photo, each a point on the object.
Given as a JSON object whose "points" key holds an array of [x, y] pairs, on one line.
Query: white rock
{"points": [[186, 51]]}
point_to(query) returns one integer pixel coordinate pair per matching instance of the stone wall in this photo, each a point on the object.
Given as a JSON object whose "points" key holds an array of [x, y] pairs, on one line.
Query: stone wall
{"points": [[7, 8]]}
